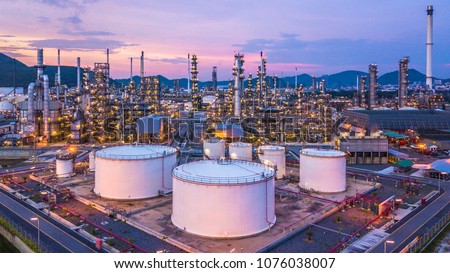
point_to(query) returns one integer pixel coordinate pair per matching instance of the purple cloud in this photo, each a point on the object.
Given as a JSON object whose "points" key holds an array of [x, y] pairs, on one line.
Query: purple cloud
{"points": [[81, 44]]}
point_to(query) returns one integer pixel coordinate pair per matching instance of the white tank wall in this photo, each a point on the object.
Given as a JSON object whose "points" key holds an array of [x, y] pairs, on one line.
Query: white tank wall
{"points": [[131, 179], [240, 151], [92, 161], [64, 168], [323, 171], [274, 156], [214, 149], [223, 211]]}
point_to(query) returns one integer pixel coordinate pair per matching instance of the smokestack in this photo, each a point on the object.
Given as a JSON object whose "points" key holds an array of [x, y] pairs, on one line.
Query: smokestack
{"points": [[40, 63], [107, 55], [373, 85], [238, 73], [189, 74], [362, 92], [58, 78], [313, 87], [214, 78], [131, 70], [78, 74], [46, 114], [429, 72], [295, 87], [142, 66]]}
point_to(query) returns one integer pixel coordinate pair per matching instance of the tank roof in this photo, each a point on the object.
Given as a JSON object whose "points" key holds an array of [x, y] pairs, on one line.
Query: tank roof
{"points": [[324, 153], [135, 152], [270, 147], [223, 172], [243, 144]]}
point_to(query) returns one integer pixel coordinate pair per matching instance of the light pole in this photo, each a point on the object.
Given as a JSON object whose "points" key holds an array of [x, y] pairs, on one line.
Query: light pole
{"points": [[387, 242], [444, 174], [39, 231]]}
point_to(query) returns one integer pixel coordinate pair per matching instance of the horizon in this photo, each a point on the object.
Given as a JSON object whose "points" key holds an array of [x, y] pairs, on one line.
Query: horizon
{"points": [[318, 38]]}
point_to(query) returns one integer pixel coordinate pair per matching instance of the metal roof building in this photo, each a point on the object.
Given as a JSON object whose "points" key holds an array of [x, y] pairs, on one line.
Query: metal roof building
{"points": [[373, 121]]}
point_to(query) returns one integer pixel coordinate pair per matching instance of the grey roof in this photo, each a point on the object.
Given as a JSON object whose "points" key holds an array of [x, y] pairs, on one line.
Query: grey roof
{"points": [[375, 120]]}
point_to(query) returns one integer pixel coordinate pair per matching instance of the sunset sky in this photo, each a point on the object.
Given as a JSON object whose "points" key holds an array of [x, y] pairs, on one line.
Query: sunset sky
{"points": [[318, 37]]}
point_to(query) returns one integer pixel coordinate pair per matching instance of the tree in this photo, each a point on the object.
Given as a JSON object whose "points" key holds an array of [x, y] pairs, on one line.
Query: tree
{"points": [[310, 234]]}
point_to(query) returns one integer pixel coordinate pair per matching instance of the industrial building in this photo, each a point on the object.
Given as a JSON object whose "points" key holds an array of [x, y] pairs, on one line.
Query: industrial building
{"points": [[381, 120], [365, 150]]}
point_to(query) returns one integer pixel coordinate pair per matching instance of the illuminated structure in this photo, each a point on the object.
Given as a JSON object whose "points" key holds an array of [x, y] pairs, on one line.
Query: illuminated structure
{"points": [[238, 73], [373, 85], [403, 82], [195, 92], [134, 172], [208, 189], [98, 109]]}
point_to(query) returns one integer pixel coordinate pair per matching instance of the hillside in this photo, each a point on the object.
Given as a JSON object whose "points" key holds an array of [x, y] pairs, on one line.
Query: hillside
{"points": [[26, 74]]}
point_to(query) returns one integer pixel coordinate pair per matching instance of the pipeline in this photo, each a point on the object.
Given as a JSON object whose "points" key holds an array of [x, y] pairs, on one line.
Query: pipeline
{"points": [[310, 196], [336, 247]]}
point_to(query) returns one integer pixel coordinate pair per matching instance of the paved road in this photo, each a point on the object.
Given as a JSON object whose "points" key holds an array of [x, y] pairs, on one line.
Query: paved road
{"points": [[418, 223], [66, 242]]}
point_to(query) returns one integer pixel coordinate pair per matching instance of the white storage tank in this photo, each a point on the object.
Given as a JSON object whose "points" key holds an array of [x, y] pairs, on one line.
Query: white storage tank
{"points": [[92, 161], [223, 198], [134, 172], [323, 170], [213, 148], [64, 165], [240, 150], [273, 156]]}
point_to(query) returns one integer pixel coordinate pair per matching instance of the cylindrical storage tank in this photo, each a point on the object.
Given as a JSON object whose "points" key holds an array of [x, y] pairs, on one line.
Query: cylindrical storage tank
{"points": [[64, 165], [240, 151], [213, 148], [322, 170], [273, 156], [92, 161], [134, 172], [223, 198]]}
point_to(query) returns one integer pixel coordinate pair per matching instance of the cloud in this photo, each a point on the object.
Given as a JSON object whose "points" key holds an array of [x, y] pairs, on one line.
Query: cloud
{"points": [[85, 33], [77, 4], [43, 19], [289, 48], [175, 60], [75, 20], [81, 44], [7, 36], [16, 54]]}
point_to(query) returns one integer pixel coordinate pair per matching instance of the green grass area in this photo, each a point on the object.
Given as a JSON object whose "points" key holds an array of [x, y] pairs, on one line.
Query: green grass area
{"points": [[6, 247], [11, 229], [431, 248]]}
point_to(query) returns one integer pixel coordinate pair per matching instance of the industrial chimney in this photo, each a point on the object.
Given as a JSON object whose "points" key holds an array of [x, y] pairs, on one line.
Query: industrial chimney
{"points": [[429, 72], [373, 85]]}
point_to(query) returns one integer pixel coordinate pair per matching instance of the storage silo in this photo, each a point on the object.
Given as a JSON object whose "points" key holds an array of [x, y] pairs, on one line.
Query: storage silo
{"points": [[213, 148], [240, 151], [223, 198], [323, 170], [64, 165], [134, 172], [273, 156], [92, 161]]}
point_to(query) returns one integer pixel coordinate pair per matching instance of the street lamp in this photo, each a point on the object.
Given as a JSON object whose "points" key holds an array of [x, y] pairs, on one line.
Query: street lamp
{"points": [[39, 230], [439, 180], [387, 242]]}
